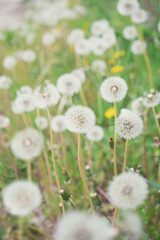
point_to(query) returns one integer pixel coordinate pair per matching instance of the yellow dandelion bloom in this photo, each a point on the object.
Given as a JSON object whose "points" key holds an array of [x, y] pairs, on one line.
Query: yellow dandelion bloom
{"points": [[117, 69], [109, 113], [111, 62], [85, 62], [116, 55], [122, 53], [71, 48]]}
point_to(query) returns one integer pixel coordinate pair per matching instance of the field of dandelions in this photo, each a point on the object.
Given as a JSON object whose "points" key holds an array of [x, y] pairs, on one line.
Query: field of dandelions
{"points": [[80, 120]]}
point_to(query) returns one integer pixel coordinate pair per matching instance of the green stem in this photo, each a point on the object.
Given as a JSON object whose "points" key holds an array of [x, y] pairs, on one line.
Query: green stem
{"points": [[115, 141], [125, 154], [157, 123]]}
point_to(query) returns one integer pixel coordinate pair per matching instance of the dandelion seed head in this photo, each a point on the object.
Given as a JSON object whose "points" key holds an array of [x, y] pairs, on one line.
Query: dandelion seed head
{"points": [[68, 84], [27, 144], [48, 39], [79, 73], [138, 47], [95, 134], [99, 27], [139, 16], [128, 190], [21, 197], [74, 36], [4, 121], [82, 47], [98, 46], [59, 123], [129, 124], [113, 89], [5, 82], [80, 119], [25, 90], [9, 62], [138, 106], [28, 55], [130, 32], [41, 122], [98, 66], [152, 99], [46, 97], [24, 103], [127, 7]]}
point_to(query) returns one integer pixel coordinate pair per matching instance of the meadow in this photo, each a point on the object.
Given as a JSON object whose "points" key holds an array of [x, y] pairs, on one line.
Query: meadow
{"points": [[80, 121]]}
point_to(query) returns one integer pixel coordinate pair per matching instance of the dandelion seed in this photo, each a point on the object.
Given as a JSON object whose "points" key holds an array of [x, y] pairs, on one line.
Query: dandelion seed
{"points": [[80, 119], [48, 39], [129, 125], [79, 73], [113, 89], [99, 46], [28, 56], [128, 190], [27, 144], [21, 197], [68, 84], [95, 134], [59, 123], [24, 103], [82, 47], [75, 36], [138, 106], [25, 90], [98, 66]]}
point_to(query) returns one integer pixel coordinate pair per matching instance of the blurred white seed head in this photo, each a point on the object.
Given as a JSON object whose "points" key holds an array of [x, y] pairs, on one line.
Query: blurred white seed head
{"points": [[127, 190], [21, 197], [129, 124], [47, 96], [139, 16], [9, 62], [138, 106], [74, 36], [110, 38], [113, 89], [48, 39], [68, 84], [82, 47], [138, 47], [82, 226], [98, 46], [99, 27], [80, 119], [25, 90], [98, 66], [152, 99], [41, 122], [24, 103], [129, 32], [95, 134], [4, 121], [127, 7], [59, 123], [5, 82], [80, 74], [27, 144], [28, 55]]}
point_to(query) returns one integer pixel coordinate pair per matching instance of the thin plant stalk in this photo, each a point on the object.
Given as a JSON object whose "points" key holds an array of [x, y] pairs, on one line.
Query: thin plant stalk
{"points": [[20, 228], [89, 153], [144, 146], [82, 174], [83, 98], [54, 162], [125, 154], [159, 173], [64, 152], [115, 141], [157, 123], [29, 171]]}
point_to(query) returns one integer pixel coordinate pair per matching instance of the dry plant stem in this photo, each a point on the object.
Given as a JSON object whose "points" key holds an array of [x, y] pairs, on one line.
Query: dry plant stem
{"points": [[64, 152], [83, 98], [151, 219], [115, 140], [41, 232], [71, 102], [82, 174], [157, 123], [144, 146], [125, 154], [54, 162], [146, 58], [90, 153], [29, 172], [20, 228], [115, 217], [51, 183]]}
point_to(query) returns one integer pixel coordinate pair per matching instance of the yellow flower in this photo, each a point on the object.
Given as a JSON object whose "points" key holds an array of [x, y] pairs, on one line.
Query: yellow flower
{"points": [[116, 55], [109, 113], [122, 53], [117, 69], [71, 48], [85, 62], [111, 62]]}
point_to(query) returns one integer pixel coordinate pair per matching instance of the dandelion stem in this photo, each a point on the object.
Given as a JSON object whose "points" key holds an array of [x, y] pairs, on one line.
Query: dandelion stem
{"points": [[54, 162], [144, 146], [89, 153], [29, 172], [125, 154], [20, 230], [64, 152], [159, 173], [83, 98], [154, 112], [82, 173], [115, 140]]}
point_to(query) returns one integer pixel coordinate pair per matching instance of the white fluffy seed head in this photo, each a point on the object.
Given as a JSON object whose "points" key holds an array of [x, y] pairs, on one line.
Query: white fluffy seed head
{"points": [[21, 197], [59, 123], [27, 144], [109, 37], [80, 119], [99, 27], [82, 47], [82, 226], [139, 16], [152, 99], [4, 121], [41, 122], [79, 73], [25, 90], [98, 66], [128, 124], [138, 106], [128, 190], [127, 7], [75, 36], [9, 62], [98, 46], [5, 82], [113, 89], [24, 103], [46, 97], [138, 47], [130, 32], [48, 39], [95, 134], [28, 55], [68, 84]]}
